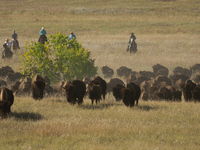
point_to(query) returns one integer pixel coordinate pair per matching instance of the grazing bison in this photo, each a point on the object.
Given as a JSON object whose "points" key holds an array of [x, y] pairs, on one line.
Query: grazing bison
{"points": [[75, 90], [95, 93], [7, 95], [99, 81], [37, 87], [116, 91]]}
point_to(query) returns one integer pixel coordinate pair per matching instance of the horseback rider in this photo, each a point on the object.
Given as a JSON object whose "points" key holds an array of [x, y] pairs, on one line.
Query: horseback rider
{"points": [[43, 31], [14, 37], [8, 44], [131, 36], [71, 36]]}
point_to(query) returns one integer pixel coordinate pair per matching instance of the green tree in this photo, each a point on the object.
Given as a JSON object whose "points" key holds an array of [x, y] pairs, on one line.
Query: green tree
{"points": [[62, 59]]}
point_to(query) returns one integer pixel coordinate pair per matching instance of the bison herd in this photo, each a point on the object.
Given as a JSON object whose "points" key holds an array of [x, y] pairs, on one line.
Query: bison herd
{"points": [[129, 86]]}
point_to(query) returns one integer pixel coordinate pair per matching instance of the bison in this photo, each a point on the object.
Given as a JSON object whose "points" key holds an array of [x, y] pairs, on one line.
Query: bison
{"points": [[116, 91], [99, 81], [75, 90], [37, 87], [113, 82], [4, 108], [7, 95], [136, 90], [127, 97], [95, 93]]}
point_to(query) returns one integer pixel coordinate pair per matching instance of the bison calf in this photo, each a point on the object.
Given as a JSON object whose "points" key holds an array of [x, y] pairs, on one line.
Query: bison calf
{"points": [[95, 93]]}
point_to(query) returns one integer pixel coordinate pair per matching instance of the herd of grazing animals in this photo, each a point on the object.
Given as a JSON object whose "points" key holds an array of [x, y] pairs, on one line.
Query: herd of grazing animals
{"points": [[131, 86]]}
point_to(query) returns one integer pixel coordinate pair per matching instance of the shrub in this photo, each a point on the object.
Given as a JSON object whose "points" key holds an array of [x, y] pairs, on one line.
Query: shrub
{"points": [[59, 58]]}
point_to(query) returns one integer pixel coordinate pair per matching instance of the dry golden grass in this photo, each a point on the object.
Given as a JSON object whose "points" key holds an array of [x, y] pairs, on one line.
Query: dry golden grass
{"points": [[167, 33], [54, 124]]}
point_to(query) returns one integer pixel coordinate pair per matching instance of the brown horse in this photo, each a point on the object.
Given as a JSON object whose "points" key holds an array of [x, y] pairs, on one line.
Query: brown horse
{"points": [[42, 39], [15, 45], [133, 46], [7, 53]]}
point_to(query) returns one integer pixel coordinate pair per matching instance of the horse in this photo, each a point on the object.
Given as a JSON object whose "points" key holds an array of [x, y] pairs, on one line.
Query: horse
{"points": [[14, 45], [7, 53], [42, 39], [133, 46]]}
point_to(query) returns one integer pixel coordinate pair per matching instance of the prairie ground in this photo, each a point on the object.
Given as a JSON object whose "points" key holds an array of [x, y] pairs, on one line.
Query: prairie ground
{"points": [[167, 33]]}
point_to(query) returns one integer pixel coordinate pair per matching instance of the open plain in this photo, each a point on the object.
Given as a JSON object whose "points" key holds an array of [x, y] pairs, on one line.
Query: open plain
{"points": [[167, 32]]}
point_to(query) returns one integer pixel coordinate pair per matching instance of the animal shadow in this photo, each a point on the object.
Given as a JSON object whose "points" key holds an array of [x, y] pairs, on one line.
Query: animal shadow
{"points": [[26, 116], [148, 108], [100, 106]]}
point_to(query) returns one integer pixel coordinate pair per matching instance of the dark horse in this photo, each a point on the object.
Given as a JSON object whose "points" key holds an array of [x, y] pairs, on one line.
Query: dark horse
{"points": [[42, 39], [133, 46], [7, 53]]}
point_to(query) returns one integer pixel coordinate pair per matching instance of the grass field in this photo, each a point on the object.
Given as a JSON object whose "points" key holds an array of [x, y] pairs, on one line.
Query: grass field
{"points": [[167, 32]]}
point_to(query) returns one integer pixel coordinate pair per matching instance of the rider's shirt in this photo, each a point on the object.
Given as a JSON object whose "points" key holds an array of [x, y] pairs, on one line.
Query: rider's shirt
{"points": [[43, 32], [71, 36], [14, 36]]}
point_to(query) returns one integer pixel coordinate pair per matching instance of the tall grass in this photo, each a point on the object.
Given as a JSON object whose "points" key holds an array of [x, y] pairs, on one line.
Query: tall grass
{"points": [[167, 33]]}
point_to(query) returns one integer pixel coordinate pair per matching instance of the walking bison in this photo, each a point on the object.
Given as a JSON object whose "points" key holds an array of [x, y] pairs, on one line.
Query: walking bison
{"points": [[37, 87], [75, 91]]}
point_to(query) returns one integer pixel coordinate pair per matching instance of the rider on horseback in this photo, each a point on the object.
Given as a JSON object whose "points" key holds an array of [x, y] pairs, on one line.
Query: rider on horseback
{"points": [[14, 37], [71, 36], [43, 31], [131, 36], [8, 44]]}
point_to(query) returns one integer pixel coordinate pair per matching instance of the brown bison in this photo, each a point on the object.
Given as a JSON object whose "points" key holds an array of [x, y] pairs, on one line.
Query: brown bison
{"points": [[116, 91], [101, 82], [75, 90], [187, 91], [86, 80], [136, 91], [46, 79], [95, 93], [15, 86], [123, 71], [196, 93], [57, 88], [107, 72], [7, 95], [127, 97], [158, 67], [37, 87], [113, 82], [4, 108], [25, 87]]}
